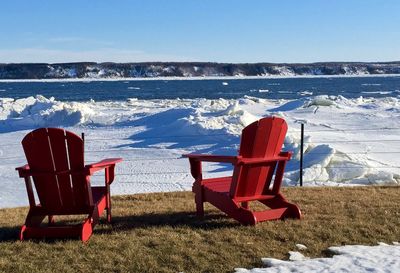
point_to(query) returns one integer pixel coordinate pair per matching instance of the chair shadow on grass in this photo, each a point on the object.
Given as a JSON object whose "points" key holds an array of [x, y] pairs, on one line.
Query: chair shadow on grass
{"points": [[131, 222], [210, 221], [9, 234]]}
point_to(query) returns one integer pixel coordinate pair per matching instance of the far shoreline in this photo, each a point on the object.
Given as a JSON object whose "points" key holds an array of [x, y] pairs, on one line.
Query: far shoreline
{"points": [[200, 78]]}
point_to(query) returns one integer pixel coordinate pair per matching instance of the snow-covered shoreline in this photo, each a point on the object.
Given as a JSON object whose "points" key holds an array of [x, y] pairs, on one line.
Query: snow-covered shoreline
{"points": [[172, 78], [347, 141]]}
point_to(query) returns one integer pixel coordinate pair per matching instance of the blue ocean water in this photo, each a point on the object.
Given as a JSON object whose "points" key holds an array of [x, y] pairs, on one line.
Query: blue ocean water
{"points": [[281, 88]]}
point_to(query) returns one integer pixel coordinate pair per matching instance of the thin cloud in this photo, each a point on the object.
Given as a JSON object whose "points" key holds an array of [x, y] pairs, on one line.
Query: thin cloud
{"points": [[45, 55], [80, 40]]}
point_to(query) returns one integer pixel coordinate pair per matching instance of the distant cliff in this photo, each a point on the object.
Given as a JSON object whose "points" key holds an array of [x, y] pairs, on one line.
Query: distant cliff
{"points": [[189, 69]]}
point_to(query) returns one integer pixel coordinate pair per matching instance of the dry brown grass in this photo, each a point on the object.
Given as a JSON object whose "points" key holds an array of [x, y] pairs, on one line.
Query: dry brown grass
{"points": [[160, 233]]}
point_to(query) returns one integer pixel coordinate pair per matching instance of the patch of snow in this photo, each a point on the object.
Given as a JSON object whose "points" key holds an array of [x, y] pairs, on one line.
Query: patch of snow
{"points": [[351, 258], [296, 256]]}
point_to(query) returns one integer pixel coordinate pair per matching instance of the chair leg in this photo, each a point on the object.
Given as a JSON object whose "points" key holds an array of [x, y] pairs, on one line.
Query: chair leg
{"points": [[292, 211], [34, 219], [108, 208], [199, 208], [87, 229], [108, 200], [33, 228], [198, 198], [51, 220], [21, 233]]}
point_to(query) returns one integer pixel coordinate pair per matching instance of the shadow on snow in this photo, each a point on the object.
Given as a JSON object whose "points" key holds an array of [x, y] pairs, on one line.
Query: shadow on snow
{"points": [[169, 130]]}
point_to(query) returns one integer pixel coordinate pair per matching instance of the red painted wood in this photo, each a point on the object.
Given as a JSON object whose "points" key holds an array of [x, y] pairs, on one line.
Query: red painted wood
{"points": [[50, 232], [57, 139], [76, 161], [259, 158], [62, 181], [213, 158], [38, 155], [265, 139], [104, 163]]}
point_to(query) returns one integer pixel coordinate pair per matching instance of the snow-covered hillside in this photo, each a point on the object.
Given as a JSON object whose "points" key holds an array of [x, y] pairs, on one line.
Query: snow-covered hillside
{"points": [[189, 69]]}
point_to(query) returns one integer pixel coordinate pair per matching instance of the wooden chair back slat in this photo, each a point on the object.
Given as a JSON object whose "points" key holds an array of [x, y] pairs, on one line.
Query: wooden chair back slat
{"points": [[38, 154], [261, 139], [76, 160], [57, 139]]}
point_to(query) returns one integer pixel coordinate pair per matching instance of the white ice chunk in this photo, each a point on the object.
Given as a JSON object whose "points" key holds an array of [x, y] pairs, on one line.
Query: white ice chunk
{"points": [[296, 256], [301, 246]]}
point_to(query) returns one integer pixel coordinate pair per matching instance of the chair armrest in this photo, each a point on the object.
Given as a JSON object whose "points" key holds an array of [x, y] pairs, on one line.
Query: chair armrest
{"points": [[196, 159], [23, 171], [283, 156], [212, 158], [288, 155], [105, 163]]}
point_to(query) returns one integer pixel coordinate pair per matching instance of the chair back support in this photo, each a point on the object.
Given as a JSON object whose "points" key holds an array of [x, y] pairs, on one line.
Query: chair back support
{"points": [[261, 139], [50, 151]]}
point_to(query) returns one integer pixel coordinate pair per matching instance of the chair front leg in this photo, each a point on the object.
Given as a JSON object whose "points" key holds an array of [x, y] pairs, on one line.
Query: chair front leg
{"points": [[196, 171], [51, 220], [109, 174], [198, 197], [34, 218], [109, 178], [29, 190], [108, 203]]}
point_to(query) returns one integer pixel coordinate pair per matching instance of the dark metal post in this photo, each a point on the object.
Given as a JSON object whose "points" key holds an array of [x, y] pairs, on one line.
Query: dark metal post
{"points": [[83, 138], [301, 154]]}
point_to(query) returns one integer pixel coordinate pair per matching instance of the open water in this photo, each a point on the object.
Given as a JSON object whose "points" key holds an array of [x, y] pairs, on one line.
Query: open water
{"points": [[281, 88]]}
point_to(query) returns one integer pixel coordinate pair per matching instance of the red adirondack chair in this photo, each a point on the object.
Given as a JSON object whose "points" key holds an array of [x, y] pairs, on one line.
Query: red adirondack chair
{"points": [[259, 158], [62, 182]]}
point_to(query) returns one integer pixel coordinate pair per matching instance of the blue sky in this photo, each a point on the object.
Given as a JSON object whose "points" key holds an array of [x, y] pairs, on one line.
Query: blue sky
{"points": [[202, 30]]}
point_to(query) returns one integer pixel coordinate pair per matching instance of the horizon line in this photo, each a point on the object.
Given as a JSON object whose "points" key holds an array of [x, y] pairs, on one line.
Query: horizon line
{"points": [[201, 62]]}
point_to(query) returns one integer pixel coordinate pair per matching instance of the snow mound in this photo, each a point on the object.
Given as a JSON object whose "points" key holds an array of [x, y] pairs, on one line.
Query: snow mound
{"points": [[220, 115], [39, 111], [320, 101]]}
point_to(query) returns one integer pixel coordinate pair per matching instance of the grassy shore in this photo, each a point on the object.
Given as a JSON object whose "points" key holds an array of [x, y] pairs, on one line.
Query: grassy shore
{"points": [[160, 233]]}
